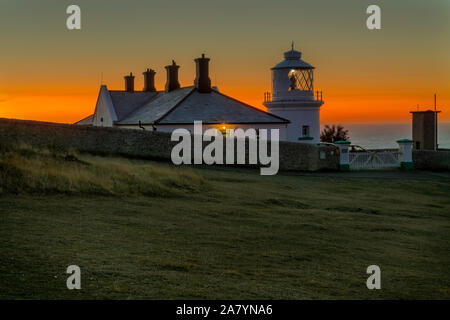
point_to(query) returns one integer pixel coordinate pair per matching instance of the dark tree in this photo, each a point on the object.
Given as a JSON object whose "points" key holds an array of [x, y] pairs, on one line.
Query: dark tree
{"points": [[333, 133]]}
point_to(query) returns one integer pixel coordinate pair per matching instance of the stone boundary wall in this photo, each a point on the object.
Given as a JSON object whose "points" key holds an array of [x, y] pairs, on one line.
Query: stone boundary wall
{"points": [[432, 160], [143, 144]]}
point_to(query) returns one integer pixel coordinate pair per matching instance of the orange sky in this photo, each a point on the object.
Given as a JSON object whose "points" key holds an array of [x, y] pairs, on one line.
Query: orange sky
{"points": [[56, 103], [49, 73]]}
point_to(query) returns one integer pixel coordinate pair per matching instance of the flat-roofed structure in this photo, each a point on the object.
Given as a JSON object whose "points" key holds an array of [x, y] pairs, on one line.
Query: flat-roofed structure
{"points": [[424, 129]]}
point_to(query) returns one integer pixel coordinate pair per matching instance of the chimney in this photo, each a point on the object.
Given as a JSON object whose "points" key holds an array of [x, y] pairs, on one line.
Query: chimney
{"points": [[129, 83], [172, 77], [149, 80], [202, 81]]}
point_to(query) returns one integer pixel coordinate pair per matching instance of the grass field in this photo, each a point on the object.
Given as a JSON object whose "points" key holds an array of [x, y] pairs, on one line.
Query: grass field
{"points": [[146, 230]]}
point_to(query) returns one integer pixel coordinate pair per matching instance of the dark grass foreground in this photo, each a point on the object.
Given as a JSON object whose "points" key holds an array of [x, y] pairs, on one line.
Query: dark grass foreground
{"points": [[145, 230]]}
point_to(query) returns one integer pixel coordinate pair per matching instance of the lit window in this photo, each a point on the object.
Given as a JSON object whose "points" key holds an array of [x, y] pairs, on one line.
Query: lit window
{"points": [[292, 80], [223, 129]]}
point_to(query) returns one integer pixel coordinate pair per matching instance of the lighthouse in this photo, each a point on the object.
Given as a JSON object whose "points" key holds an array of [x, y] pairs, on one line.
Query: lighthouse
{"points": [[293, 98]]}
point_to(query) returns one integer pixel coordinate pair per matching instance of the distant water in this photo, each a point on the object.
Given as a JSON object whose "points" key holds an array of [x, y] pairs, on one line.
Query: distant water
{"points": [[380, 136]]}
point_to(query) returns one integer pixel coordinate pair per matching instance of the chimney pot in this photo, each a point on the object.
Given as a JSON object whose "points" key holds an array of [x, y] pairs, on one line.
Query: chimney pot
{"points": [[172, 77], [149, 80], [202, 81], [129, 83]]}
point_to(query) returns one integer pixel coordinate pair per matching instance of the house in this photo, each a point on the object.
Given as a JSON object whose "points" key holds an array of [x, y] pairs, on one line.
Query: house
{"points": [[178, 107]]}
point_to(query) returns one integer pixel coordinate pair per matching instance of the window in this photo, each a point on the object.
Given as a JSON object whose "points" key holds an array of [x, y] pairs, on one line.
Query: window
{"points": [[305, 131], [223, 130], [301, 79], [417, 145]]}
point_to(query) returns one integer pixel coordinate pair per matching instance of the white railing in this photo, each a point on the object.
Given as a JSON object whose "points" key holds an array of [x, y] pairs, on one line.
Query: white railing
{"points": [[317, 95], [374, 160]]}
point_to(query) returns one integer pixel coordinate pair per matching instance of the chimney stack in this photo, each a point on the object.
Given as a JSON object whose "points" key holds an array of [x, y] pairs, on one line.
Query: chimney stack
{"points": [[149, 80], [172, 77], [129, 83], [202, 81]]}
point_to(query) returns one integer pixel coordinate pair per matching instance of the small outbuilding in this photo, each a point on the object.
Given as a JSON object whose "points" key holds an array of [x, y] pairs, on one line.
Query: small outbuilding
{"points": [[424, 130]]}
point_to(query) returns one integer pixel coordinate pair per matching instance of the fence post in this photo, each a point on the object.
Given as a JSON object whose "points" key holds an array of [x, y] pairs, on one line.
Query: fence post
{"points": [[405, 147], [344, 160]]}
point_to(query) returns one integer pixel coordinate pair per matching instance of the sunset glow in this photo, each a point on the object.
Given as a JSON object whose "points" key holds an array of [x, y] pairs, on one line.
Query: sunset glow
{"points": [[51, 74]]}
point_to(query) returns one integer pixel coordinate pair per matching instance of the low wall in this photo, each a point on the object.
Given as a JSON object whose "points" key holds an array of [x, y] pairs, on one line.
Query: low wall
{"points": [[143, 144], [432, 160]]}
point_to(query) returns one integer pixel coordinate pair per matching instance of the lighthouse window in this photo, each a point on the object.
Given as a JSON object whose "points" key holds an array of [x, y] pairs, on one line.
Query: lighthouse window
{"points": [[305, 131], [301, 79], [292, 80]]}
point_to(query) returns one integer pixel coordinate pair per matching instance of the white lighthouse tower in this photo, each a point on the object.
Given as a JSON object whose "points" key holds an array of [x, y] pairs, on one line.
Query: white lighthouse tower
{"points": [[293, 98]]}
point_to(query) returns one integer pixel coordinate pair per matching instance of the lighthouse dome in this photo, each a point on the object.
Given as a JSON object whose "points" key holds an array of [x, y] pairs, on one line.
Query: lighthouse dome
{"points": [[293, 61], [292, 55]]}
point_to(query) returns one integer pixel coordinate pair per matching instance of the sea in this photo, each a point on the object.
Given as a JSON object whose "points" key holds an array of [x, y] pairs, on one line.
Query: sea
{"points": [[384, 136]]}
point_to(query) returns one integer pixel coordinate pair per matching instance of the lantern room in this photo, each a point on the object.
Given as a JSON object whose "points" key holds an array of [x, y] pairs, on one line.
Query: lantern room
{"points": [[293, 78]]}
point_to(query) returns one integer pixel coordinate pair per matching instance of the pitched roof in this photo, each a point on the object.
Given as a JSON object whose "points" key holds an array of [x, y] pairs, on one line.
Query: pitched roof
{"points": [[126, 102], [156, 108], [86, 121], [216, 107], [186, 105]]}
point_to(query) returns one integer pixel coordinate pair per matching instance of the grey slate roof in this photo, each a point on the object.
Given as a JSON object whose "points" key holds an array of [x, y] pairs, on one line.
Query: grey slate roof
{"points": [[216, 107], [126, 102], [186, 105], [154, 109]]}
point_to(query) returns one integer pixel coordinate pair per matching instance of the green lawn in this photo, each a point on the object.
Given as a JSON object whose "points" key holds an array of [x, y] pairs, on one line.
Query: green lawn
{"points": [[233, 235]]}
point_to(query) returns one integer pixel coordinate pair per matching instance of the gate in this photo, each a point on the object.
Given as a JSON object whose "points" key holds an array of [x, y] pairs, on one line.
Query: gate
{"points": [[374, 160]]}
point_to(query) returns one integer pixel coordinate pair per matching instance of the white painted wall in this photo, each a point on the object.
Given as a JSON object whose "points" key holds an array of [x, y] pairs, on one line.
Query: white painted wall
{"points": [[104, 115], [300, 116], [169, 128]]}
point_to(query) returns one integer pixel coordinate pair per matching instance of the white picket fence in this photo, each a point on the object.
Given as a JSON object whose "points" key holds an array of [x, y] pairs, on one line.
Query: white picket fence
{"points": [[374, 160]]}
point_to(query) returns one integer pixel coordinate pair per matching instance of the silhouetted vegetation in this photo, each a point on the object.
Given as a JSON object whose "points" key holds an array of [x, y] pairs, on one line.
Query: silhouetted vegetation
{"points": [[333, 133]]}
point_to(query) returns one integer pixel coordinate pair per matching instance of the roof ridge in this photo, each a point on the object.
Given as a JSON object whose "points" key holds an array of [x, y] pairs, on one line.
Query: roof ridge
{"points": [[160, 91], [176, 105]]}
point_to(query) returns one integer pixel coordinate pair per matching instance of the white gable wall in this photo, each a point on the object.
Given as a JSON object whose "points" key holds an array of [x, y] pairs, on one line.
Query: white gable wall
{"points": [[104, 115]]}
